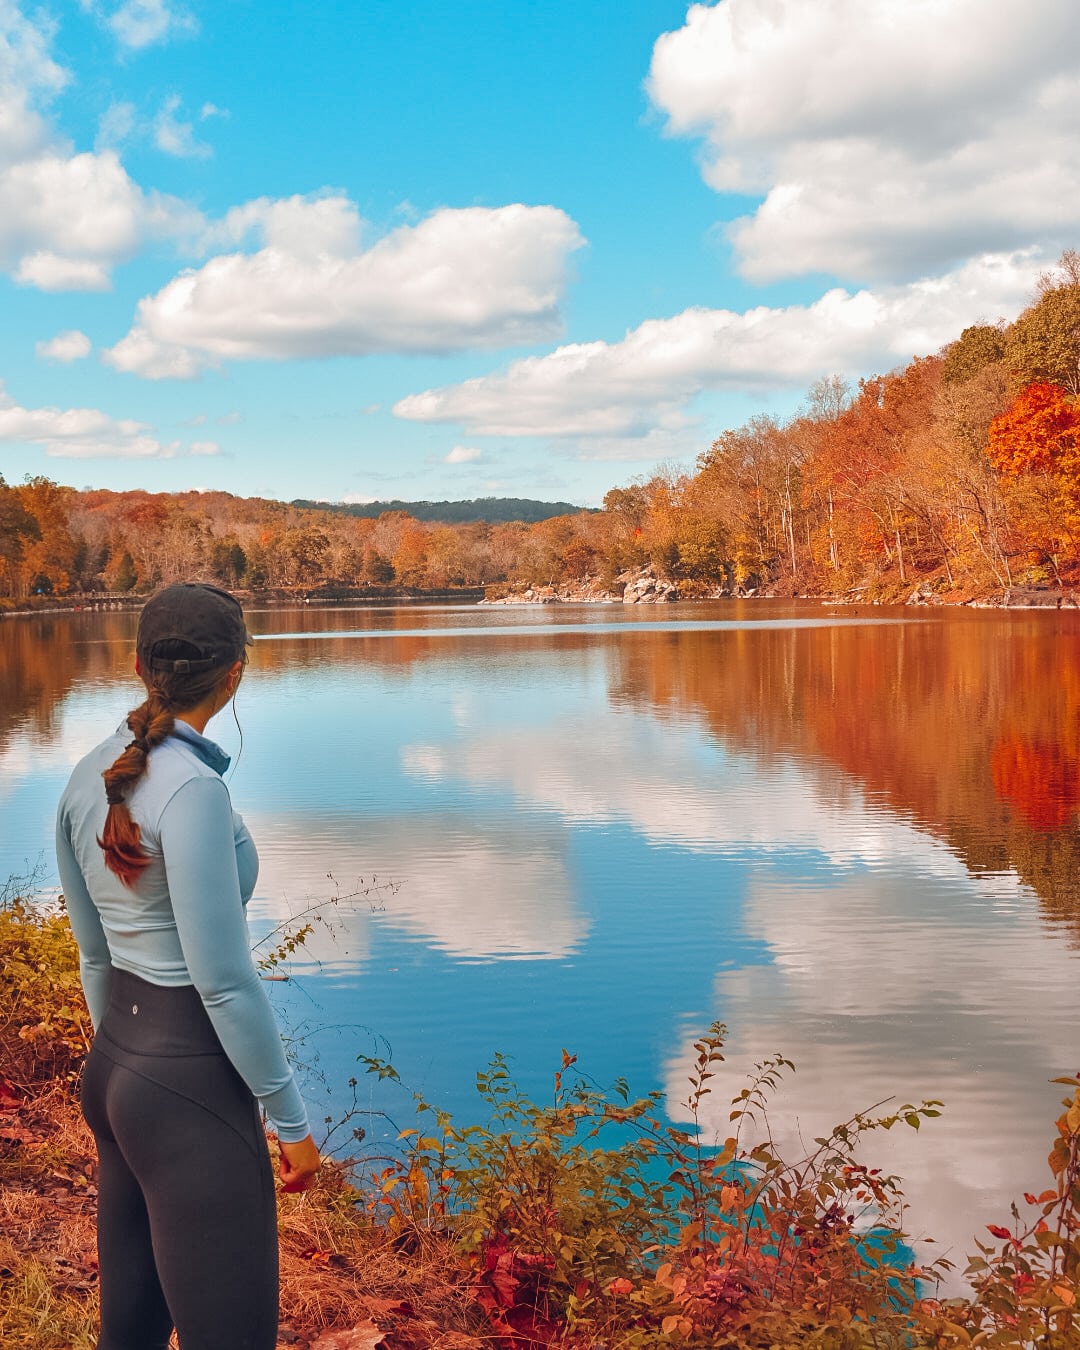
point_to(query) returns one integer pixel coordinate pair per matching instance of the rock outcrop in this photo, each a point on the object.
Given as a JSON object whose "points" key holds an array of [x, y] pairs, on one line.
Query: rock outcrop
{"points": [[639, 586]]}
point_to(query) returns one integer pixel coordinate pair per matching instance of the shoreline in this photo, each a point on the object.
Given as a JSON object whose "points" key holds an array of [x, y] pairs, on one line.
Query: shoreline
{"points": [[104, 602], [642, 588]]}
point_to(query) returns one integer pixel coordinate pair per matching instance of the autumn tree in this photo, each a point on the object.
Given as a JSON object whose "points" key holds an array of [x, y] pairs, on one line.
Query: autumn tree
{"points": [[49, 560], [18, 528], [1043, 345], [1036, 443], [977, 347], [967, 481]]}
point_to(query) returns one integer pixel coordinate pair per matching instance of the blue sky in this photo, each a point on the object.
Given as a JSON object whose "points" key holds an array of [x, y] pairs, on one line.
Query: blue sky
{"points": [[368, 250]]}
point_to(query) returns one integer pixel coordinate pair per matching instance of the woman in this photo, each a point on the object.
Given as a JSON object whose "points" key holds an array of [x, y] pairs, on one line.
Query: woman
{"points": [[156, 870]]}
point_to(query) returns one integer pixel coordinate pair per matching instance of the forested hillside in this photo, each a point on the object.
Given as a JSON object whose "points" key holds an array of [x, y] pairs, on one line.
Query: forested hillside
{"points": [[956, 475], [494, 510]]}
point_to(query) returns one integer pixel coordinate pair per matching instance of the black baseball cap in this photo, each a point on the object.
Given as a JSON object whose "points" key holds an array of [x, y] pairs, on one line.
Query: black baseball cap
{"points": [[191, 627]]}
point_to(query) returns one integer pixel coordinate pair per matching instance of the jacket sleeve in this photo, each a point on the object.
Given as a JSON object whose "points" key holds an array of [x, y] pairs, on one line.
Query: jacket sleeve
{"points": [[198, 844], [94, 962]]}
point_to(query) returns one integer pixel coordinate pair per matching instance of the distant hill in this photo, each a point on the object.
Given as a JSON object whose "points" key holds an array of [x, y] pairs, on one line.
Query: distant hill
{"points": [[494, 510]]}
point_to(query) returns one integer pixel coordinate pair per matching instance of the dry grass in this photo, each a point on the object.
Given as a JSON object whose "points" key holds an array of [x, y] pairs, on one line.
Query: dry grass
{"points": [[48, 1268], [338, 1268]]}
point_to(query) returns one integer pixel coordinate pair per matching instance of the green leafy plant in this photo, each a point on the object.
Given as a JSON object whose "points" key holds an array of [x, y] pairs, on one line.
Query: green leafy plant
{"points": [[44, 1025], [553, 1204], [781, 1251], [595, 1213]]}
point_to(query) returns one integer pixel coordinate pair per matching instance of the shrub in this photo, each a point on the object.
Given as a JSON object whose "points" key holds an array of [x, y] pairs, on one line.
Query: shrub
{"points": [[44, 1024], [594, 1212]]}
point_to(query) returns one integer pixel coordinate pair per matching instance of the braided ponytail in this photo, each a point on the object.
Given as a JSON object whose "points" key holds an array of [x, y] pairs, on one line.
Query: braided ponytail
{"points": [[120, 840], [150, 724]]}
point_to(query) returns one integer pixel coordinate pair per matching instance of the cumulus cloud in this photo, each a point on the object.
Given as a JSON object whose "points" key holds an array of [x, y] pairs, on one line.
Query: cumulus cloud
{"points": [[643, 384], [205, 448], [464, 454], [176, 137], [52, 272], [888, 138], [464, 278], [64, 347], [25, 63], [65, 218], [79, 433]]}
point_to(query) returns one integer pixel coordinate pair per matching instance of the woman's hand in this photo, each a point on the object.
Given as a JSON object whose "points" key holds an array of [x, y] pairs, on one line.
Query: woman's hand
{"points": [[299, 1163]]}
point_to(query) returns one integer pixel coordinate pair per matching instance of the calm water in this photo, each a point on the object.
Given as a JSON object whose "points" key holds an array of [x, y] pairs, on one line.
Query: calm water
{"points": [[850, 835]]}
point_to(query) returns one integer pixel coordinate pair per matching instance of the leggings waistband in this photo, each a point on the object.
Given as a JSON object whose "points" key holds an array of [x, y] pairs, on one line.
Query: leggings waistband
{"points": [[155, 1019]]}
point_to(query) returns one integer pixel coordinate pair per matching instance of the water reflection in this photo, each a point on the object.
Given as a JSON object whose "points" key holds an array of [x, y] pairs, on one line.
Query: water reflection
{"points": [[854, 841], [473, 890], [896, 989]]}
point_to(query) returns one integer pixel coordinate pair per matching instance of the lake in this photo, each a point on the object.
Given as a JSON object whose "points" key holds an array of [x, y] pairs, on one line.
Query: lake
{"points": [[848, 833]]}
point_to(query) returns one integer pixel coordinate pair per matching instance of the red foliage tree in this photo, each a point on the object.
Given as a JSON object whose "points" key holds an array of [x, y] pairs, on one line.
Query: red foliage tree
{"points": [[1038, 433], [1035, 443]]}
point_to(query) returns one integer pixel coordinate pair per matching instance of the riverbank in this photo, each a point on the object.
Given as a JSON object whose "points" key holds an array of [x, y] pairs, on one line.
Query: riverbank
{"points": [[547, 1227], [638, 586], [253, 599], [643, 586]]}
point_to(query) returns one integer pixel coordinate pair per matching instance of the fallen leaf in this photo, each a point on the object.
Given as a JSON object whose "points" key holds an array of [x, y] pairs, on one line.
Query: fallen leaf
{"points": [[365, 1336]]}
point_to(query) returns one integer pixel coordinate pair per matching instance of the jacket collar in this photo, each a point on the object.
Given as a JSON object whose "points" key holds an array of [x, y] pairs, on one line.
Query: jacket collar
{"points": [[207, 750]]}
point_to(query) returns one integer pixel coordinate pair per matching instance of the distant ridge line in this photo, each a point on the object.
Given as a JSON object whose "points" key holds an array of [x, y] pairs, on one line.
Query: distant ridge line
{"points": [[493, 510]]}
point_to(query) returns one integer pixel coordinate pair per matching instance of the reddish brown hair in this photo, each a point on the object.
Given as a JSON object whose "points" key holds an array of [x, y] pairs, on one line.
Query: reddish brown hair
{"points": [[150, 723]]}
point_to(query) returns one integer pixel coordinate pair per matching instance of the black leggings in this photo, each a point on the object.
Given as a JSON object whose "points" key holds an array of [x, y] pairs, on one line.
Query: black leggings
{"points": [[187, 1227]]}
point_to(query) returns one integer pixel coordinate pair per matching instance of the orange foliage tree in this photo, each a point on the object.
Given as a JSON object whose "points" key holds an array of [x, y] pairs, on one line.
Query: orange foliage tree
{"points": [[1036, 443]]}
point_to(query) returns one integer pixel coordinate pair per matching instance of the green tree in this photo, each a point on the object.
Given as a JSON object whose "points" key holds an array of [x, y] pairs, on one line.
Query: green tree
{"points": [[1043, 345], [977, 347]]}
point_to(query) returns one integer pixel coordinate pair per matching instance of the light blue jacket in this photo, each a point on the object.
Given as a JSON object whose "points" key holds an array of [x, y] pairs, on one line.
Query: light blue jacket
{"points": [[183, 921]]}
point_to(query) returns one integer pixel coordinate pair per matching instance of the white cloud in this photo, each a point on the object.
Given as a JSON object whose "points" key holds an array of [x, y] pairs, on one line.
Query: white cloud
{"points": [[205, 448], [303, 227], [461, 278], [464, 454], [68, 346], [888, 137], [65, 218], [175, 137], [643, 384], [116, 125], [142, 23], [50, 272], [79, 433]]}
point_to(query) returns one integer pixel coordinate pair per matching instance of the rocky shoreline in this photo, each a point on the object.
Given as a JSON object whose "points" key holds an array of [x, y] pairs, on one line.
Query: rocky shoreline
{"points": [[638, 586], [642, 586]]}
